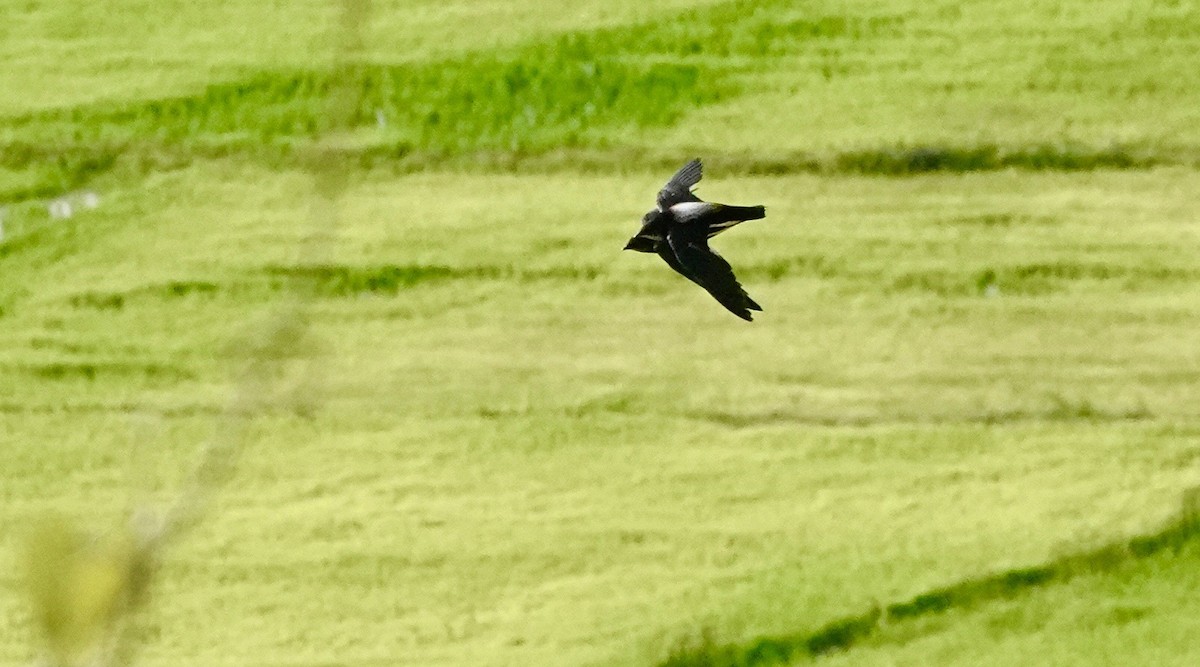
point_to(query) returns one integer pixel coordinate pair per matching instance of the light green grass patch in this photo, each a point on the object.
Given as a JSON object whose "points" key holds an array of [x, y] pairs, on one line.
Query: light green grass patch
{"points": [[536, 449], [69, 54], [877, 88], [1075, 78], [508, 442]]}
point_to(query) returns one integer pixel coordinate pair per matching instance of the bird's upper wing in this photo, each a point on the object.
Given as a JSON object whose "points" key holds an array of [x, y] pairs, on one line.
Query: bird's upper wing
{"points": [[679, 188], [710, 271]]}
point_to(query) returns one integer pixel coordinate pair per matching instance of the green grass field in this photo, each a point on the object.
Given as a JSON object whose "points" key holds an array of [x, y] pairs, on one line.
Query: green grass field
{"points": [[962, 432]]}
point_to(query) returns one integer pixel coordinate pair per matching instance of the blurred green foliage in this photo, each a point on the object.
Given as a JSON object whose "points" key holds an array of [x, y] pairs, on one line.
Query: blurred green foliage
{"points": [[83, 586]]}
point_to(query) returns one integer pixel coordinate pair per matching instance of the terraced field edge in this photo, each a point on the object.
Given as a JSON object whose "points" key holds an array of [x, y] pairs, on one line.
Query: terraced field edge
{"points": [[703, 650]]}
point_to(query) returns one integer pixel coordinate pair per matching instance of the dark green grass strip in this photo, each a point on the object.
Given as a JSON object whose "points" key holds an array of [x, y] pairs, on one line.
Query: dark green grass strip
{"points": [[344, 280], [91, 408], [1058, 409], [329, 280], [33, 171], [920, 159], [49, 169], [347, 280], [845, 633], [1038, 278], [175, 289], [105, 370], [889, 160], [532, 99]]}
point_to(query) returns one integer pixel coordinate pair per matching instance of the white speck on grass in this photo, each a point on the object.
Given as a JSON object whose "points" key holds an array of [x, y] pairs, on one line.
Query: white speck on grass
{"points": [[380, 119], [991, 291], [60, 209], [90, 199]]}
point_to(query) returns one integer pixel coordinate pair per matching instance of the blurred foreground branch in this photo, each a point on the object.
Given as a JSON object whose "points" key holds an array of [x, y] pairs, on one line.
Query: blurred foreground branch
{"points": [[85, 584]]}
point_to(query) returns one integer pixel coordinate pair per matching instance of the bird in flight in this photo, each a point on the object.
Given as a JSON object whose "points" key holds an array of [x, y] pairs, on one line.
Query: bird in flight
{"points": [[678, 230]]}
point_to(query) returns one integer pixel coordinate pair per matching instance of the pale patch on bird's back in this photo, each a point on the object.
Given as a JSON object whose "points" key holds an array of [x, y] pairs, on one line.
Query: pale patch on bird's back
{"points": [[690, 210]]}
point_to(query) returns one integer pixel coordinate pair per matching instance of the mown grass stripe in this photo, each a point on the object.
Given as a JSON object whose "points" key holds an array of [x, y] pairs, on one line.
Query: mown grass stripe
{"points": [[343, 279], [847, 632], [101, 370], [566, 101], [336, 280], [577, 89], [58, 167]]}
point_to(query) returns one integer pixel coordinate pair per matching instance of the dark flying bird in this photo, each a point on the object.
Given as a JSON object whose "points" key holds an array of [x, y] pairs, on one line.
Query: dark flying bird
{"points": [[678, 230]]}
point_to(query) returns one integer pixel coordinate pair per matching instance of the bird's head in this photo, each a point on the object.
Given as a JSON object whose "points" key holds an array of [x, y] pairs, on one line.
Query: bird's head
{"points": [[649, 235]]}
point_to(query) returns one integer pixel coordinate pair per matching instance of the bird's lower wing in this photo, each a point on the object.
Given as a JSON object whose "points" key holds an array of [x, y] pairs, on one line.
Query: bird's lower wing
{"points": [[710, 271], [668, 255]]}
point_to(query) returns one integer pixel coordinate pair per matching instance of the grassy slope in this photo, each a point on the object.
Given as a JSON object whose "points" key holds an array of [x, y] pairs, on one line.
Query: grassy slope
{"points": [[1136, 614], [67, 53], [536, 450], [961, 74], [764, 86], [518, 462]]}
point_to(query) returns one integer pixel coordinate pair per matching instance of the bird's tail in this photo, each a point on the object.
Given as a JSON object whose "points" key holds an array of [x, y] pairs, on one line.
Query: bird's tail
{"points": [[743, 213], [728, 216]]}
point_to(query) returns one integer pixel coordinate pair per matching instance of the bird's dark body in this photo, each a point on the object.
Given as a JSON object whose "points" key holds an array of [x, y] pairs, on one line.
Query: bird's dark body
{"points": [[678, 229]]}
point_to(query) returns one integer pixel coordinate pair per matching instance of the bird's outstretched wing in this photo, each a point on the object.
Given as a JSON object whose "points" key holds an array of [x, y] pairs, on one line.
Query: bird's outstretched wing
{"points": [[679, 188], [709, 270], [668, 255]]}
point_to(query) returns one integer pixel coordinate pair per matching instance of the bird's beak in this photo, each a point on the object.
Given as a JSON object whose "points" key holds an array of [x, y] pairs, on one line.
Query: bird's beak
{"points": [[640, 244]]}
